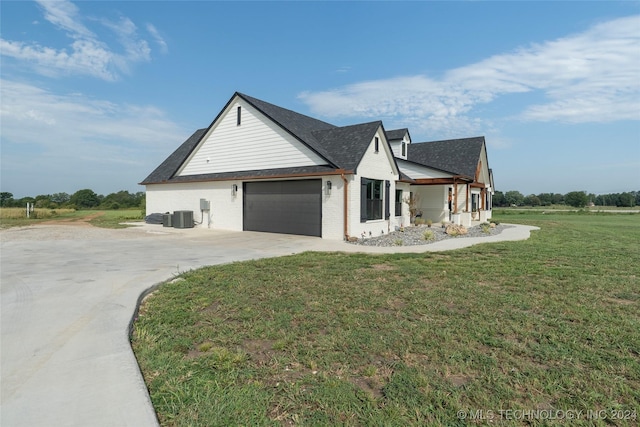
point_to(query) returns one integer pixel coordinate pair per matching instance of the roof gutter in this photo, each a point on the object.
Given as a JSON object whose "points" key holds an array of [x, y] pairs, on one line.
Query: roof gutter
{"points": [[188, 179]]}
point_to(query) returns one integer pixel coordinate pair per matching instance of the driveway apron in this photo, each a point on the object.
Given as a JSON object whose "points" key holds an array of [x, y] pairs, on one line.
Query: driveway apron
{"points": [[67, 297]]}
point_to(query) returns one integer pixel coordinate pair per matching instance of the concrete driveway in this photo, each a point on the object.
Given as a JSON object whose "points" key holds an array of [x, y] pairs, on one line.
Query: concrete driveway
{"points": [[67, 297]]}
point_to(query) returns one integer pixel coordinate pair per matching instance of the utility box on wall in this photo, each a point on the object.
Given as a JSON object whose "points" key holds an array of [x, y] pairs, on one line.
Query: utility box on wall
{"points": [[183, 219], [204, 205]]}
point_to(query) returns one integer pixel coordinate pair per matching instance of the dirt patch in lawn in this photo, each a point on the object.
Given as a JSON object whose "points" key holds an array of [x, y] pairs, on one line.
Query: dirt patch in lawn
{"points": [[78, 222]]}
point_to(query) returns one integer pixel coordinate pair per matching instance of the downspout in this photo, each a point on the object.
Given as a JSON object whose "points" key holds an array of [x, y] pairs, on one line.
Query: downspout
{"points": [[346, 204]]}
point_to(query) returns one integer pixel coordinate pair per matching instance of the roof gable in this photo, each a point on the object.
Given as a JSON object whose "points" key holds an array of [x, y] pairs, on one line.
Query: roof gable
{"points": [[397, 134], [300, 126], [348, 143], [457, 156], [243, 138]]}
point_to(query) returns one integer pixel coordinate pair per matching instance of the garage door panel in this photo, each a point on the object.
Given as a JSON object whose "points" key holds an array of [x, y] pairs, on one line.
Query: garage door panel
{"points": [[290, 207]]}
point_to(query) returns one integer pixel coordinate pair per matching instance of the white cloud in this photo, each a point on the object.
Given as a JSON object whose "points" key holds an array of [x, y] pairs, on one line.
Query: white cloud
{"points": [[593, 76], [28, 112], [86, 54], [74, 135], [64, 15], [158, 38]]}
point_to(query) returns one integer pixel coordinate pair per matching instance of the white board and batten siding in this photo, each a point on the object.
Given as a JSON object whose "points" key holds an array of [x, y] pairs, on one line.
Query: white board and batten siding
{"points": [[396, 146], [255, 144], [421, 172]]}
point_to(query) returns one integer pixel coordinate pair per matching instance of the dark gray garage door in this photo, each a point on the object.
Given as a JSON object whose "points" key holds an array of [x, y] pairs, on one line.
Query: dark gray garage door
{"points": [[290, 207]]}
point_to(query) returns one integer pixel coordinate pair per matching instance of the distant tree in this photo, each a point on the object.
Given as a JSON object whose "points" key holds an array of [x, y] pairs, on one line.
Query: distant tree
{"points": [[532, 200], [558, 199], [626, 200], [546, 199], [6, 199], [498, 199], [43, 201], [84, 199], [60, 198], [514, 198], [577, 199], [121, 199]]}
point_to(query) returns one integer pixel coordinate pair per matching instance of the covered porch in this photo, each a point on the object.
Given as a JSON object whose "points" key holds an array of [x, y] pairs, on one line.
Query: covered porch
{"points": [[458, 200]]}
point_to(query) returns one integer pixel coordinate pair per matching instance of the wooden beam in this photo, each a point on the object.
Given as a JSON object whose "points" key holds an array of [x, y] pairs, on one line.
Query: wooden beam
{"points": [[467, 199], [455, 197], [440, 181]]}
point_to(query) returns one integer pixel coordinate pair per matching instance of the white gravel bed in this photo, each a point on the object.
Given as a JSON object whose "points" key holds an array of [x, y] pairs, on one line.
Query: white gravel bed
{"points": [[414, 235]]}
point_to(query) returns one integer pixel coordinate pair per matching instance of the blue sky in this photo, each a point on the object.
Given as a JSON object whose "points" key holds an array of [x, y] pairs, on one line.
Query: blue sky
{"points": [[95, 94]]}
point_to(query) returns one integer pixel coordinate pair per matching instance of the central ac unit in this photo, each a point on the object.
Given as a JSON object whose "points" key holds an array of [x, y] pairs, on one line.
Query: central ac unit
{"points": [[183, 219]]}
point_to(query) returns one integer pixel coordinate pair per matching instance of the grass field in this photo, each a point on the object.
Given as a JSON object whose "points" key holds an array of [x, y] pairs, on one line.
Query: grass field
{"points": [[455, 338], [16, 217]]}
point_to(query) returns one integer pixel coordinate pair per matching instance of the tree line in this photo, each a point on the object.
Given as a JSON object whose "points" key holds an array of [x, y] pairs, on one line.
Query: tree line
{"points": [[578, 199], [81, 199], [88, 199]]}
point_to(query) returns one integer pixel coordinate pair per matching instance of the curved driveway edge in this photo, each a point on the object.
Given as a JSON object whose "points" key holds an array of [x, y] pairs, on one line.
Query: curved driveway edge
{"points": [[67, 298]]}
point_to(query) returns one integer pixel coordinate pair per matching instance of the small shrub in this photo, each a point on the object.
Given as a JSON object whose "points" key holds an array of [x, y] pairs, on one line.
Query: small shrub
{"points": [[486, 227], [419, 221], [429, 223], [398, 242], [428, 235]]}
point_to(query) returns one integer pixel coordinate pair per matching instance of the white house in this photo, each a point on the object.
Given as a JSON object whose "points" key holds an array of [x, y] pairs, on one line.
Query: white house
{"points": [[265, 168]]}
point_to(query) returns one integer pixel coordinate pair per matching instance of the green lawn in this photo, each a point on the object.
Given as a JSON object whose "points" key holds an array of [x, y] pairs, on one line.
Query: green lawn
{"points": [[547, 324], [16, 217]]}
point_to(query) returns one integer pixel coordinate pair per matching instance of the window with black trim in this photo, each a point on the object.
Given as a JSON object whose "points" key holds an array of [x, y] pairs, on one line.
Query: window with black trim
{"points": [[376, 144], [398, 203], [370, 199], [404, 148], [239, 116]]}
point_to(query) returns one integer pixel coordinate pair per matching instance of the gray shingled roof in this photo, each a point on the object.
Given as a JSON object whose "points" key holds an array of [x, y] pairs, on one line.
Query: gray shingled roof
{"points": [[457, 156], [395, 134], [348, 143], [342, 147]]}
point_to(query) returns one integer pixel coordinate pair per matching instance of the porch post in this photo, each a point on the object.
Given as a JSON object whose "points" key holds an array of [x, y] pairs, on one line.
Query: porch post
{"points": [[455, 197], [467, 199]]}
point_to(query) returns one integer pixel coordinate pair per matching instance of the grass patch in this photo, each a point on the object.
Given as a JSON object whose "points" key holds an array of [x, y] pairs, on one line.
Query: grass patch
{"points": [[113, 218], [16, 217], [328, 338]]}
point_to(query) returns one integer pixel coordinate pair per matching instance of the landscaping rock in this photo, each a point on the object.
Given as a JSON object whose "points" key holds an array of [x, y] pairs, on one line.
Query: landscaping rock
{"points": [[456, 230], [414, 235]]}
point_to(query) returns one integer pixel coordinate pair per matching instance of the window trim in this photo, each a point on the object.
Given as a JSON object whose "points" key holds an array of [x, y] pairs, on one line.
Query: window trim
{"points": [[376, 144], [368, 204], [239, 116], [398, 203]]}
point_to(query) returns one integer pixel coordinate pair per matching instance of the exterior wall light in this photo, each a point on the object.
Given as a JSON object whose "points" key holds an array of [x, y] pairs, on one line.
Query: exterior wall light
{"points": [[234, 189], [328, 188]]}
